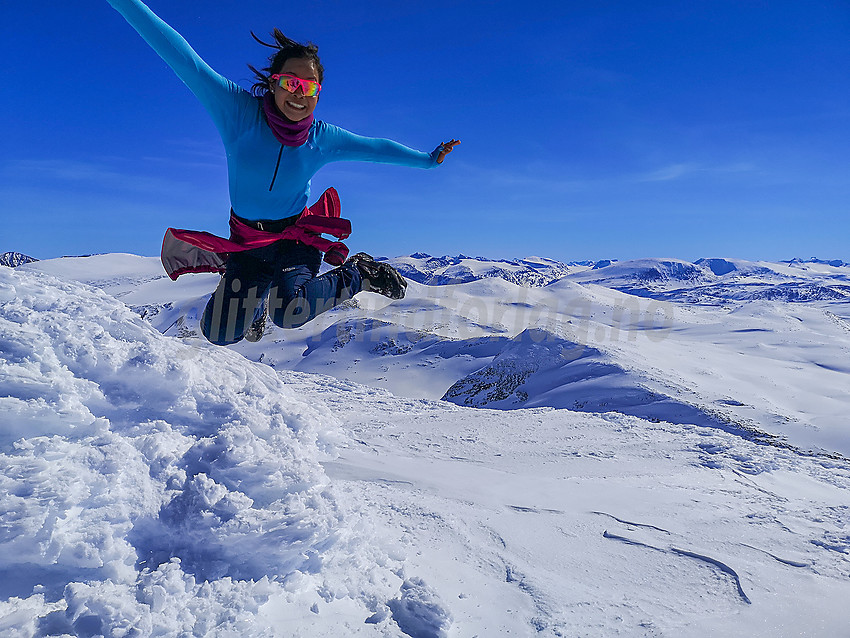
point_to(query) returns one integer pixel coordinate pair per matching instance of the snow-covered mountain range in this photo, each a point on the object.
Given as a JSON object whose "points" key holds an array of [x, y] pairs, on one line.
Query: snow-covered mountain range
{"points": [[532, 271], [719, 281], [704, 281], [655, 338], [641, 448]]}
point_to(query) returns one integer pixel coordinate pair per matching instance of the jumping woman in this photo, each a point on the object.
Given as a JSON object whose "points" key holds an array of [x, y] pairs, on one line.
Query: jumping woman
{"points": [[274, 146]]}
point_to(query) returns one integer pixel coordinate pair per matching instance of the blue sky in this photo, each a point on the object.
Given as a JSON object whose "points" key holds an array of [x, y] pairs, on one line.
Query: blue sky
{"points": [[589, 129]]}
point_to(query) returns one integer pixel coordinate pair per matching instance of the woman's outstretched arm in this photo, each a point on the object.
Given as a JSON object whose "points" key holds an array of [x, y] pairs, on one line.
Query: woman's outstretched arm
{"points": [[215, 92], [342, 145]]}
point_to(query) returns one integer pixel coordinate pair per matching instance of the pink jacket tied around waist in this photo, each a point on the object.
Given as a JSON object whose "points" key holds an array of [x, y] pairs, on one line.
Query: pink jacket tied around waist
{"points": [[199, 251]]}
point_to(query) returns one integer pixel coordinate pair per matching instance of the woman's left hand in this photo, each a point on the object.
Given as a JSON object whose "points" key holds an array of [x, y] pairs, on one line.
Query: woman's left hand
{"points": [[444, 149]]}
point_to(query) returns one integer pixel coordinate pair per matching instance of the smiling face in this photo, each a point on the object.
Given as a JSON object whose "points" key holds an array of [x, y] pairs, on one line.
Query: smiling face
{"points": [[296, 106]]}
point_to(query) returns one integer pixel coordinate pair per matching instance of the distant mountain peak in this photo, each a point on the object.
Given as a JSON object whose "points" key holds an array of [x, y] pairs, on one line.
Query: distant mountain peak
{"points": [[13, 259]]}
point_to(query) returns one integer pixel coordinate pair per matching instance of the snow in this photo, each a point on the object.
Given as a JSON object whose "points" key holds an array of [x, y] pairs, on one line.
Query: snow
{"points": [[532, 271], [163, 486], [747, 350], [638, 466], [572, 524], [419, 611]]}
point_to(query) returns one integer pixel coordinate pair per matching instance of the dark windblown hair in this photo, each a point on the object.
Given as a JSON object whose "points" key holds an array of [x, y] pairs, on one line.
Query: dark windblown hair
{"points": [[285, 49]]}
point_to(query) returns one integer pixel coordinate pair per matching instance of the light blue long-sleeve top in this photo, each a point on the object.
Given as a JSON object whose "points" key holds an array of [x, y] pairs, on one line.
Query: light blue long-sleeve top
{"points": [[253, 152]]}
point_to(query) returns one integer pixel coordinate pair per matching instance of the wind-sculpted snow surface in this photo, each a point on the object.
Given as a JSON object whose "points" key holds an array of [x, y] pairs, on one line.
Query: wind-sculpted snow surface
{"points": [[150, 487], [544, 522]]}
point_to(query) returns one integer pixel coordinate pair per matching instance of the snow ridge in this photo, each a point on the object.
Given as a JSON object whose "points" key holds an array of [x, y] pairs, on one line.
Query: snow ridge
{"points": [[723, 567]]}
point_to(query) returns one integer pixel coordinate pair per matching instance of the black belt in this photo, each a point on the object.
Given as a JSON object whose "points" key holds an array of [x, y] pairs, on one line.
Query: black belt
{"points": [[269, 225]]}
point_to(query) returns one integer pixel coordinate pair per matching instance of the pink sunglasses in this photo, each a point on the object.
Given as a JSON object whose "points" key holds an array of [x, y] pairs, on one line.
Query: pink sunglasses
{"points": [[292, 84]]}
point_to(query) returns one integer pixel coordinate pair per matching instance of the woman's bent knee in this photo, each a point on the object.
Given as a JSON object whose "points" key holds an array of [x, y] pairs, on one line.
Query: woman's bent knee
{"points": [[221, 338]]}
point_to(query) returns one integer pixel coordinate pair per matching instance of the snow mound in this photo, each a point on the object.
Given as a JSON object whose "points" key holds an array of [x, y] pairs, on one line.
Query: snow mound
{"points": [[419, 611], [541, 369], [158, 487]]}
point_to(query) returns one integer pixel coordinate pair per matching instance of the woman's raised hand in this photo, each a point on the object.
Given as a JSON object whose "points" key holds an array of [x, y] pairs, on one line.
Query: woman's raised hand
{"points": [[445, 149]]}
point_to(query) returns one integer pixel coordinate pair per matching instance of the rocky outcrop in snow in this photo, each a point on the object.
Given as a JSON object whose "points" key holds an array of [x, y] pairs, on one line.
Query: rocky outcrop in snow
{"points": [[13, 260]]}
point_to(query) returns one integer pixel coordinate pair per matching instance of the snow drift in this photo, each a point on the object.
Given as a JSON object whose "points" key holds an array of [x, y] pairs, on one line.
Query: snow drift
{"points": [[164, 487]]}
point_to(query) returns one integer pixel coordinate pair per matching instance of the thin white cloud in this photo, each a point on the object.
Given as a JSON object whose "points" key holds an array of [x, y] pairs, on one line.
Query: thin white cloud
{"points": [[682, 170], [669, 173], [108, 175], [62, 170]]}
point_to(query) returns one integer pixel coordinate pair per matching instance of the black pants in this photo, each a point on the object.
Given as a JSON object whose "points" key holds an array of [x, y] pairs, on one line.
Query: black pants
{"points": [[287, 271]]}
